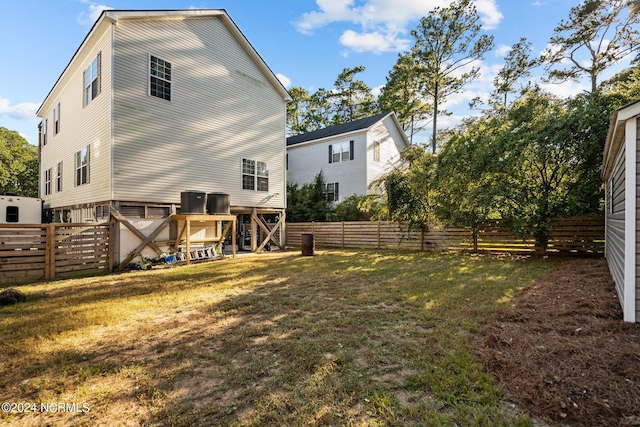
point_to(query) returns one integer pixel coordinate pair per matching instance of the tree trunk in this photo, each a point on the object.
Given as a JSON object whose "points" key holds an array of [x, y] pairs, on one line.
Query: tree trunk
{"points": [[435, 116]]}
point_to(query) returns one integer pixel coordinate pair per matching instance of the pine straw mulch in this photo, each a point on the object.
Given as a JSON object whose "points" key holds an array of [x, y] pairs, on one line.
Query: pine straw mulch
{"points": [[563, 352]]}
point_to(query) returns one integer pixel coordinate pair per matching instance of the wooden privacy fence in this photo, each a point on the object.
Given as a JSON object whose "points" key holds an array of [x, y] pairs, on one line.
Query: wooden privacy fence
{"points": [[569, 236], [47, 251]]}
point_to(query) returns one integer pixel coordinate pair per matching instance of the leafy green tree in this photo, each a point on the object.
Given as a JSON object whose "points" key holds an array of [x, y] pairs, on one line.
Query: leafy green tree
{"points": [[319, 110], [297, 111], [408, 189], [309, 202], [357, 208], [598, 34], [18, 165], [448, 42], [402, 95], [352, 98]]}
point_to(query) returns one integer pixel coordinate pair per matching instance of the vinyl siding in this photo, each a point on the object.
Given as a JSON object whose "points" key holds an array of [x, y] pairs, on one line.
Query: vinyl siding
{"points": [[80, 126], [387, 134], [222, 109], [615, 233], [637, 257], [306, 160]]}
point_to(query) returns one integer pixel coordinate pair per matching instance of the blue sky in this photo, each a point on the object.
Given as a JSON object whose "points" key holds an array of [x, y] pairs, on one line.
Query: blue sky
{"points": [[305, 42]]}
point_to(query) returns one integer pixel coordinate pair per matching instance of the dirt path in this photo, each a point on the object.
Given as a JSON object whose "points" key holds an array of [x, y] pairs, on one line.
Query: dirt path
{"points": [[564, 353]]}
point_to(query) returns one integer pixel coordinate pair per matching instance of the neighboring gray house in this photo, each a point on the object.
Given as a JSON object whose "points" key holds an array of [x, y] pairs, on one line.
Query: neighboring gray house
{"points": [[351, 156], [154, 103], [621, 176]]}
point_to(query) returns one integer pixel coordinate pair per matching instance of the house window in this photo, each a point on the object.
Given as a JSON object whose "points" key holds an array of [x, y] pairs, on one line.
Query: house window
{"points": [[92, 81], [59, 177], [331, 190], [56, 119], [13, 214], [341, 152], [47, 182], [44, 132], [82, 166], [376, 151], [255, 175], [159, 78]]}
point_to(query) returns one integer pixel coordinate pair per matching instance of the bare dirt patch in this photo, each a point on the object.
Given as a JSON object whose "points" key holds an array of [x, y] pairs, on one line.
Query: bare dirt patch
{"points": [[563, 351]]}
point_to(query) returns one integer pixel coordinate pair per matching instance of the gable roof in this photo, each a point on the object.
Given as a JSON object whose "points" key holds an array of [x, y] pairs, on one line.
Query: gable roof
{"points": [[354, 126], [112, 16]]}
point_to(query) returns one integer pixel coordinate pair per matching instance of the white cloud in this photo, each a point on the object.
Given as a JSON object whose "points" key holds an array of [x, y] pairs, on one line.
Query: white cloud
{"points": [[376, 42], [95, 9], [382, 22], [286, 81], [23, 111], [502, 50]]}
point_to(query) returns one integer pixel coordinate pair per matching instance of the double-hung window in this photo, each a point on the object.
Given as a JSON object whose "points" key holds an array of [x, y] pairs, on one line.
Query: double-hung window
{"points": [[159, 78], [92, 80], [43, 132], [331, 190], [59, 177], [82, 166], [376, 151], [255, 175], [47, 182], [56, 119], [341, 152]]}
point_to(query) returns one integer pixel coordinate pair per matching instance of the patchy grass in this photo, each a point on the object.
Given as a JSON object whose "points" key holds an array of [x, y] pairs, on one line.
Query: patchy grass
{"points": [[358, 338]]}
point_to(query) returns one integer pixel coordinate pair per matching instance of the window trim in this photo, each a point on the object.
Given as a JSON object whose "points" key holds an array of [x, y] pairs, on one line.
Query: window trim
{"points": [[335, 191], [256, 176], [345, 154], [47, 182], [88, 89], [79, 166], [44, 131], [56, 119], [376, 151], [162, 78], [59, 177]]}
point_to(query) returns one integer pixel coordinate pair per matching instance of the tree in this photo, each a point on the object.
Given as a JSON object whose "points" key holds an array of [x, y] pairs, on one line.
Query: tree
{"points": [[18, 165], [309, 202], [448, 41], [352, 98], [596, 36], [517, 66], [297, 111], [319, 111], [402, 95]]}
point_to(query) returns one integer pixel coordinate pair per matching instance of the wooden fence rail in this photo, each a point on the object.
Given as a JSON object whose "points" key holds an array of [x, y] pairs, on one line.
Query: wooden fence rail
{"points": [[569, 236], [47, 251]]}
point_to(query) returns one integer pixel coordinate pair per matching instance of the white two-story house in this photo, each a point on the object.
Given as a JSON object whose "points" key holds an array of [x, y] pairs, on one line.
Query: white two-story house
{"points": [[154, 103], [351, 156]]}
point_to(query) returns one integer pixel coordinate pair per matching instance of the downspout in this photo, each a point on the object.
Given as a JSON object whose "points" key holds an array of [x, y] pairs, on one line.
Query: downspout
{"points": [[112, 114]]}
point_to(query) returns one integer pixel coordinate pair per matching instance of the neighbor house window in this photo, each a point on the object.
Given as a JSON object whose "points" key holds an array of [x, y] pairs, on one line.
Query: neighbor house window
{"points": [[341, 152], [376, 151], [44, 132], [92, 81], [47, 182], [56, 119], [331, 190], [255, 175], [82, 166], [59, 177], [159, 78]]}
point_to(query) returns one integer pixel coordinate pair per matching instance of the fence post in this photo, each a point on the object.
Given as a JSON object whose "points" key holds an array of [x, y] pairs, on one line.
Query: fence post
{"points": [[342, 234], [50, 252], [421, 239], [379, 243]]}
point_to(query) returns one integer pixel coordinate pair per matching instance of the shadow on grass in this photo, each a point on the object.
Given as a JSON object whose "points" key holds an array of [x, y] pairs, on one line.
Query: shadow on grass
{"points": [[340, 338]]}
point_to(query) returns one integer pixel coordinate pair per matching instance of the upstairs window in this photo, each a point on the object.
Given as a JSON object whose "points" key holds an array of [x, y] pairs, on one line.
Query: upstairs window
{"points": [[376, 151], [44, 132], [92, 81], [159, 78], [341, 152], [82, 166], [255, 175], [56, 119]]}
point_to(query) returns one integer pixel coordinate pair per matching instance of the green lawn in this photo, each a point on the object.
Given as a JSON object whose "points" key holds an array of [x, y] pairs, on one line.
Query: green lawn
{"points": [[359, 338]]}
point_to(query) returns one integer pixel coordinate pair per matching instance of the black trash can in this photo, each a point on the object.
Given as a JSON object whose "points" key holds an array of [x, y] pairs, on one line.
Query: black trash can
{"points": [[308, 244]]}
